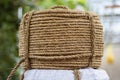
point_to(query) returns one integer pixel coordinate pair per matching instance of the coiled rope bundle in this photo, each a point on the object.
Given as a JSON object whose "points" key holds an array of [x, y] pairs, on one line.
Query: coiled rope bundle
{"points": [[60, 38]]}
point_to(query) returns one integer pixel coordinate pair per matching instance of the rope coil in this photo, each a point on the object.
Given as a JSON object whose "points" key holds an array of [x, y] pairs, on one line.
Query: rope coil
{"points": [[60, 39]]}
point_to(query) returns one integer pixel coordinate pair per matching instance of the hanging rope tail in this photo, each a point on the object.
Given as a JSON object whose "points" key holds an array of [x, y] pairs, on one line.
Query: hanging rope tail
{"points": [[76, 74], [15, 68]]}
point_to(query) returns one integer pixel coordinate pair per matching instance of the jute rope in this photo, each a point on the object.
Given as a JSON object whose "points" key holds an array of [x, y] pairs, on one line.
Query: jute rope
{"points": [[76, 74], [63, 39], [92, 38], [22, 75], [27, 61], [59, 7], [14, 69], [60, 38]]}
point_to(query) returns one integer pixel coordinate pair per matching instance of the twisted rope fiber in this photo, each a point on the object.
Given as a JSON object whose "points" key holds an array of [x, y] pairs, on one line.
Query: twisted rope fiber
{"points": [[53, 42], [92, 38], [60, 7], [76, 74], [27, 50], [14, 69], [21, 61], [28, 66]]}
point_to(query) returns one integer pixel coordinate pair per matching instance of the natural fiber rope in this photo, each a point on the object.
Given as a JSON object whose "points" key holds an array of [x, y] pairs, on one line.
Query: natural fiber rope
{"points": [[59, 7], [26, 59], [61, 39], [22, 75], [54, 38], [22, 60], [28, 66], [14, 69], [92, 38], [76, 74]]}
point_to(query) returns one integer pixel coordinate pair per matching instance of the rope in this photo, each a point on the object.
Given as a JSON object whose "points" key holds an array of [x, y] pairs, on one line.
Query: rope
{"points": [[60, 39], [27, 62], [15, 68], [22, 75], [76, 74], [59, 7], [90, 17], [26, 59]]}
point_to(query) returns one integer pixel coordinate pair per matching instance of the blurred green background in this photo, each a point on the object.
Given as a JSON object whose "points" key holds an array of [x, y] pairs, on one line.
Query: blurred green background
{"points": [[11, 13]]}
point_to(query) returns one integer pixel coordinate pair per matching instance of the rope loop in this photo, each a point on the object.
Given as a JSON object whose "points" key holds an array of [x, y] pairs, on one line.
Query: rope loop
{"points": [[59, 7]]}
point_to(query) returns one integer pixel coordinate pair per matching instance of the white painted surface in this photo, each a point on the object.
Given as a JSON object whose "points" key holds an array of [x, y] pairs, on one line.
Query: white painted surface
{"points": [[85, 74]]}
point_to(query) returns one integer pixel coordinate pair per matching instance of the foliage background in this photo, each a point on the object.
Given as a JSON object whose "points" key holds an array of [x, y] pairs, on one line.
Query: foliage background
{"points": [[9, 24]]}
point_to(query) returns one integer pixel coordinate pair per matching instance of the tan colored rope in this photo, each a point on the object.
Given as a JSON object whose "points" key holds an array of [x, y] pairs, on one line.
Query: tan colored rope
{"points": [[59, 7], [90, 17], [62, 39], [14, 69], [76, 74], [26, 59], [27, 40], [22, 75]]}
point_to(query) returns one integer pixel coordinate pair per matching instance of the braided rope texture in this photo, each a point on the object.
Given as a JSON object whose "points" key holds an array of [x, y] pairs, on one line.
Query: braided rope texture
{"points": [[61, 39]]}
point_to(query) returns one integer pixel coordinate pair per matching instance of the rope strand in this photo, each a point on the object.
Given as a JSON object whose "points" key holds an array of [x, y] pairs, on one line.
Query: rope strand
{"points": [[90, 17], [14, 69], [76, 74], [27, 62]]}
